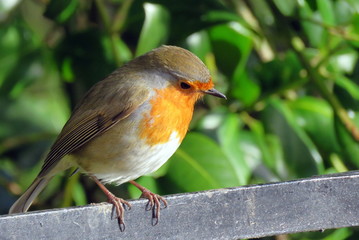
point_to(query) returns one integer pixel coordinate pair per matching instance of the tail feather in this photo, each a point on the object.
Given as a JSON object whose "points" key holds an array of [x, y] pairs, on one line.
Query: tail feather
{"points": [[26, 199]]}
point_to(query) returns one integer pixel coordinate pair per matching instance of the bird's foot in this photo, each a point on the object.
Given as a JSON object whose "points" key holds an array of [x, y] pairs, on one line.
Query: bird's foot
{"points": [[154, 202], [118, 203]]}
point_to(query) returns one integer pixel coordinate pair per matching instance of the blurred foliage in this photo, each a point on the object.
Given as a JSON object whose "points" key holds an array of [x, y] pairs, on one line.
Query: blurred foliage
{"points": [[289, 68]]}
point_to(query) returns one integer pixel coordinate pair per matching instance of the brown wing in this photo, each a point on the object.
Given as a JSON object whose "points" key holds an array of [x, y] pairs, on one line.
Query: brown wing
{"points": [[95, 114]]}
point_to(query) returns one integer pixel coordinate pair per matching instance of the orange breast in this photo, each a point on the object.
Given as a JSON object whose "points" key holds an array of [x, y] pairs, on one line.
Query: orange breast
{"points": [[171, 111]]}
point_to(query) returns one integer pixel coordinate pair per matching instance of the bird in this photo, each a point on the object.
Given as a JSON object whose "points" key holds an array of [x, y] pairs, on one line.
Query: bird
{"points": [[128, 125]]}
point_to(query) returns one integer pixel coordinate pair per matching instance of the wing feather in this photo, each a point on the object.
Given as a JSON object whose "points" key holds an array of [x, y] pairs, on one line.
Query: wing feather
{"points": [[95, 115]]}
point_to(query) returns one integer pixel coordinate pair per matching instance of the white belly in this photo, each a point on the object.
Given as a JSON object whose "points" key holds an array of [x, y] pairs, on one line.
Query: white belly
{"points": [[142, 162]]}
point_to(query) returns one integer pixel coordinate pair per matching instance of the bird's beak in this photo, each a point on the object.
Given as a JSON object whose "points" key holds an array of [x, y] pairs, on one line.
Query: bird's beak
{"points": [[215, 93]]}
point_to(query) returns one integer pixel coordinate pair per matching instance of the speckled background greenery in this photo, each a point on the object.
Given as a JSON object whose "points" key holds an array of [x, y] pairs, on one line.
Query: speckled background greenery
{"points": [[289, 68]]}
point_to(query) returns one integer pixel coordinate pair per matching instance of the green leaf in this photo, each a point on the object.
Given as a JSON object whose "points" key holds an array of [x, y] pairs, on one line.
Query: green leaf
{"points": [[229, 139], [79, 195], [280, 73], [199, 164], [348, 85], [188, 17], [61, 11], [326, 10], [344, 10], [155, 28], [314, 31], [349, 147], [287, 7], [82, 57], [74, 192], [199, 44], [353, 30], [263, 12], [347, 91], [232, 45], [10, 53], [300, 153], [276, 160], [263, 143], [253, 155], [339, 234], [315, 116], [19, 77], [220, 15], [122, 49]]}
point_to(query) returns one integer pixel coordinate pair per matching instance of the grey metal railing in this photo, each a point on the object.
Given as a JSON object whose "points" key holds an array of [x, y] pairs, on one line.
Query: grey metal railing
{"points": [[313, 204]]}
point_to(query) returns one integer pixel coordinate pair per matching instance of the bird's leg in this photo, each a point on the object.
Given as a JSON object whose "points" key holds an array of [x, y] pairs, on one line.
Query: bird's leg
{"points": [[154, 201], [118, 203]]}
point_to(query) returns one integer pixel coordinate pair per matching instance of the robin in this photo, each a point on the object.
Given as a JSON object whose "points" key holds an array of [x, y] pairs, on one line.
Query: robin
{"points": [[128, 125]]}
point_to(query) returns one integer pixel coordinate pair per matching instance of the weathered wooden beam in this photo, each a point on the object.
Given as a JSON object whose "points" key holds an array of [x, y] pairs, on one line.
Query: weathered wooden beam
{"points": [[318, 203]]}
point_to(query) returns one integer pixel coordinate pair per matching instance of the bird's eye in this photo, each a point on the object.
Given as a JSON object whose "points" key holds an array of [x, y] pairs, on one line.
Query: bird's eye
{"points": [[185, 85]]}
